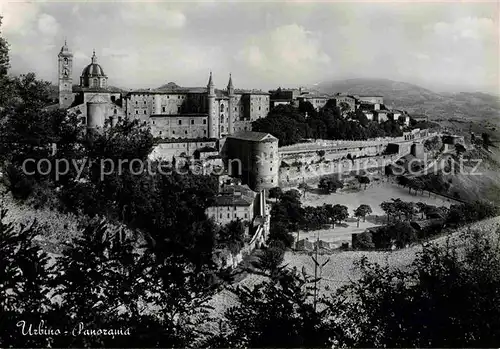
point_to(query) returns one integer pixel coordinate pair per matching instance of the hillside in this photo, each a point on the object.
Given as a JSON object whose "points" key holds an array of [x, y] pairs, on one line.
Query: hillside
{"points": [[483, 109]]}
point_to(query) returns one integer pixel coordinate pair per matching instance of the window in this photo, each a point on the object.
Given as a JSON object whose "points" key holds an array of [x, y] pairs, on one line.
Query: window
{"points": [[137, 112], [235, 108], [163, 109], [259, 107], [246, 215], [160, 133], [228, 215], [178, 109], [222, 128], [185, 132], [192, 122], [180, 122], [204, 121], [272, 181], [221, 215], [173, 132], [178, 97], [271, 169], [204, 132], [144, 102], [153, 122], [222, 119], [145, 112], [235, 208], [235, 216], [136, 102]]}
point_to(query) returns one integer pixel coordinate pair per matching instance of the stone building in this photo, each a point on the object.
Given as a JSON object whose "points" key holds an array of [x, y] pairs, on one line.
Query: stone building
{"points": [[253, 157], [295, 96], [172, 112], [196, 112], [233, 202], [91, 95]]}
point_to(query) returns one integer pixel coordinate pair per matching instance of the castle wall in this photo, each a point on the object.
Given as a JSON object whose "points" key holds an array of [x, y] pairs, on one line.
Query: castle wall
{"points": [[168, 150], [298, 173]]}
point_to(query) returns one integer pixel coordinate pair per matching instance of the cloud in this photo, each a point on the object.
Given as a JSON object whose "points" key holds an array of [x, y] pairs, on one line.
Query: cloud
{"points": [[48, 25], [466, 27], [289, 52], [152, 15]]}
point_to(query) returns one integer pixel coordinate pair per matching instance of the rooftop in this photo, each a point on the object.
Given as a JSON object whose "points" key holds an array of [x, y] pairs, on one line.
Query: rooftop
{"points": [[252, 136], [230, 199]]}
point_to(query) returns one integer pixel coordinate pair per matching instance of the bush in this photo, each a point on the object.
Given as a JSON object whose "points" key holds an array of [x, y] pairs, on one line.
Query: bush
{"points": [[363, 241]]}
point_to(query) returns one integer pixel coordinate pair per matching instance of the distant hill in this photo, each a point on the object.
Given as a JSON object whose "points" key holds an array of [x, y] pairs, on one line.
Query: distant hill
{"points": [[418, 101]]}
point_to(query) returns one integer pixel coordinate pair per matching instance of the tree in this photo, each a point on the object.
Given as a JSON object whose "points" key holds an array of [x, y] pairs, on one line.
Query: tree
{"points": [[389, 208], [5, 81], [417, 306], [362, 211], [486, 140], [272, 257], [276, 313], [24, 282], [330, 184], [275, 193], [363, 180], [339, 213], [232, 236], [305, 187], [459, 149]]}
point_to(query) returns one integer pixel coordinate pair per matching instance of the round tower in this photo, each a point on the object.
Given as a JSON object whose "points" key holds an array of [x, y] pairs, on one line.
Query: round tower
{"points": [[212, 118], [96, 112], [230, 92], [265, 169]]}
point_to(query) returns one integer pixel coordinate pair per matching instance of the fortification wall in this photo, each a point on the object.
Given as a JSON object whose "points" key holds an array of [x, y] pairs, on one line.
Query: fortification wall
{"points": [[304, 172], [167, 150]]}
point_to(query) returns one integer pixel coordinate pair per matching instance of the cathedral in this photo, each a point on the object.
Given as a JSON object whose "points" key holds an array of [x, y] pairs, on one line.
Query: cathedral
{"points": [[171, 111]]}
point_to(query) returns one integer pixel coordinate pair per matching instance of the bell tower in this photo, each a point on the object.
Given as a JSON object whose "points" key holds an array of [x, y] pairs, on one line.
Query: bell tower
{"points": [[65, 72], [213, 124]]}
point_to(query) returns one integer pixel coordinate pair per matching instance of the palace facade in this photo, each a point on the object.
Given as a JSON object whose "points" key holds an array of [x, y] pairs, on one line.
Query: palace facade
{"points": [[172, 112]]}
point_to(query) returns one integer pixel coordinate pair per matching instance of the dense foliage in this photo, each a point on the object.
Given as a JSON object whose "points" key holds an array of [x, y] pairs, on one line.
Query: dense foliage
{"points": [[290, 125]]}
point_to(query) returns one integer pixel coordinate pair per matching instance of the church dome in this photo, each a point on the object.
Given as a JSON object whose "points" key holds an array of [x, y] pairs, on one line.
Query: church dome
{"points": [[93, 69]]}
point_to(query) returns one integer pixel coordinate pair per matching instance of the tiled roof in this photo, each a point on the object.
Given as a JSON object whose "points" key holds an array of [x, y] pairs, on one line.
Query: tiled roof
{"points": [[243, 188], [232, 200], [251, 136]]}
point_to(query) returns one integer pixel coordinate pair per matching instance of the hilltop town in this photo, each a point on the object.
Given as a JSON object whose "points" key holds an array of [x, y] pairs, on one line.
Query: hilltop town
{"points": [[183, 213]]}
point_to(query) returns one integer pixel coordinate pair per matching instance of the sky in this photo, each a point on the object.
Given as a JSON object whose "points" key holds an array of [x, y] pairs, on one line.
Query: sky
{"points": [[445, 46]]}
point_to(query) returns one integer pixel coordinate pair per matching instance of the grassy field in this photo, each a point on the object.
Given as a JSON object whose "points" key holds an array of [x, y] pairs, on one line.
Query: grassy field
{"points": [[374, 195]]}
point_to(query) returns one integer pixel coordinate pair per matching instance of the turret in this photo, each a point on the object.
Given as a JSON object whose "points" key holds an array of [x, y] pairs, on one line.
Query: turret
{"points": [[230, 92], [212, 118], [65, 59], [230, 87], [210, 86]]}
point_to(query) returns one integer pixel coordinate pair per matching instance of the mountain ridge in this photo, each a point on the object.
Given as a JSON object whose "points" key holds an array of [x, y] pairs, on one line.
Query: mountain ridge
{"points": [[418, 100]]}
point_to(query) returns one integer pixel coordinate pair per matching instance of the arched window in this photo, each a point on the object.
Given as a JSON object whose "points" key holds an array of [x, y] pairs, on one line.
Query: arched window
{"points": [[114, 112], [222, 128], [96, 83]]}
